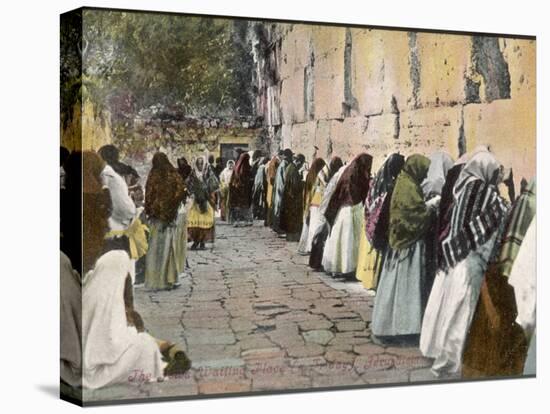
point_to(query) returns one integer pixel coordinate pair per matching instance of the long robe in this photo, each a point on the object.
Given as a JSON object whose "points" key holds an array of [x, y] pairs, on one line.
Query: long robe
{"points": [[477, 222], [496, 344], [225, 179], [71, 323], [344, 214], [523, 279], [321, 230], [313, 191], [278, 192], [240, 191], [374, 239], [167, 219], [259, 194], [270, 174], [292, 203], [112, 350], [398, 307]]}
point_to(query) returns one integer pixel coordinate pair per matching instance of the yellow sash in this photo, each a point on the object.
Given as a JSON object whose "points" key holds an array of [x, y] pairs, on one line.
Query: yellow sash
{"points": [[137, 236]]}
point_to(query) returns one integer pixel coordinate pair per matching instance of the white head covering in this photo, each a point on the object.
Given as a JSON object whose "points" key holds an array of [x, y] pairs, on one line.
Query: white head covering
{"points": [[225, 176], [440, 163], [107, 338], [199, 173], [466, 157], [481, 166]]}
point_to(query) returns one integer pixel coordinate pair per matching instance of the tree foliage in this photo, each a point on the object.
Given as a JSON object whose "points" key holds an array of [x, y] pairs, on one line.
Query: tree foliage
{"points": [[201, 64]]}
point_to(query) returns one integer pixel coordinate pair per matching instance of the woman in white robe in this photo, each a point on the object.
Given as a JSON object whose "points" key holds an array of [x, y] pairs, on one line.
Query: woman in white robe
{"points": [[313, 192], [113, 351], [476, 222], [71, 323], [345, 217], [320, 228]]}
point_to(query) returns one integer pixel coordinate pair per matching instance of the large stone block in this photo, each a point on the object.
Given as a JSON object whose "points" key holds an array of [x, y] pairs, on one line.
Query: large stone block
{"points": [[521, 57], [426, 130], [380, 70], [509, 127], [443, 60]]}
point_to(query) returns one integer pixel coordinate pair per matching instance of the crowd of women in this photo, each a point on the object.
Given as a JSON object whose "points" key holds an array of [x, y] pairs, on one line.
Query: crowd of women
{"points": [[445, 247], [447, 254]]}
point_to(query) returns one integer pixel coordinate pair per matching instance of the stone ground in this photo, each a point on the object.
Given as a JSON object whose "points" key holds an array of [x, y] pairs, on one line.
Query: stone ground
{"points": [[252, 316]]}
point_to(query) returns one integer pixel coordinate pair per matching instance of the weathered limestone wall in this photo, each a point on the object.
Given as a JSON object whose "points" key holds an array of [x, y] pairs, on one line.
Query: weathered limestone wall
{"points": [[88, 129], [140, 138], [352, 90]]}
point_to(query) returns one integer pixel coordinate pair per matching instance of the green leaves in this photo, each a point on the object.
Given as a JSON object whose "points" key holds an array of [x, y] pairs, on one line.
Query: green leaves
{"points": [[164, 58]]}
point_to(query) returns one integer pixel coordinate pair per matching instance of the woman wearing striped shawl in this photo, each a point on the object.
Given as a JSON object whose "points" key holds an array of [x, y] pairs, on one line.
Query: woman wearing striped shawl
{"points": [[476, 222], [496, 344]]}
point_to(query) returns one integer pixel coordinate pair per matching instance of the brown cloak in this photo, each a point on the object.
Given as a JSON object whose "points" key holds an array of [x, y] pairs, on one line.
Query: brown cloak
{"points": [[164, 191], [240, 185]]}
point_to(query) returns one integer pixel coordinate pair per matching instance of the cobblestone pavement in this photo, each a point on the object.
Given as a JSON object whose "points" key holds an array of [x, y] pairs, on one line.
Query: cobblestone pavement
{"points": [[253, 317]]}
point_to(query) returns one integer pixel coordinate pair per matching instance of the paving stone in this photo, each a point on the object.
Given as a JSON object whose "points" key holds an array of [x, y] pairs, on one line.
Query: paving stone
{"points": [[340, 356], [305, 350], [321, 337], [368, 349], [351, 326]]}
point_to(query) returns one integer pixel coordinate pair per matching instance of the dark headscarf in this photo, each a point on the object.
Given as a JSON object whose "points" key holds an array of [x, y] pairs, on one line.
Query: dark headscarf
{"points": [[334, 165], [184, 168], [352, 188], [111, 156], [240, 186], [165, 190], [387, 174], [409, 215]]}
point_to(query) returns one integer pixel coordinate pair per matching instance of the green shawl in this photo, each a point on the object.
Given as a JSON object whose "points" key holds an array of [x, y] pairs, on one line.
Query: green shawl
{"points": [[409, 215]]}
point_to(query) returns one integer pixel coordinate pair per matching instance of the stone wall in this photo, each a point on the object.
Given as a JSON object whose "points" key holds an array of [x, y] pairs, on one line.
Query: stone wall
{"points": [[139, 138], [347, 90]]}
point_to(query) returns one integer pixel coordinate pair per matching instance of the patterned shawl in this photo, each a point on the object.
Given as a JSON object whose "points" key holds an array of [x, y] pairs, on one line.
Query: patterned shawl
{"points": [[520, 219], [409, 215], [478, 209], [377, 204]]}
